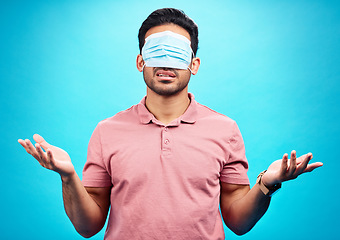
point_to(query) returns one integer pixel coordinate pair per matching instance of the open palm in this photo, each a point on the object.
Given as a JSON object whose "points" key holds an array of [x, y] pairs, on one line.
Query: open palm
{"points": [[54, 158], [286, 169]]}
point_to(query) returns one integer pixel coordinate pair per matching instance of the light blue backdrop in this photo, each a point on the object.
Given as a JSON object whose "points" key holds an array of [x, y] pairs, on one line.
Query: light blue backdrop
{"points": [[273, 66]]}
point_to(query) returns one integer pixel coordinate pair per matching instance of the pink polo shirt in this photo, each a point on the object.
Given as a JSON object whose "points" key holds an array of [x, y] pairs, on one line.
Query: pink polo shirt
{"points": [[165, 179]]}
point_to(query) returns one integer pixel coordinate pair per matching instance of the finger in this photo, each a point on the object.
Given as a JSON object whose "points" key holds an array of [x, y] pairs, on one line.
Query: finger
{"points": [[312, 166], [303, 162], [50, 158], [41, 153], [31, 149], [284, 164], [35, 154], [301, 159], [39, 139], [23, 144], [47, 159], [292, 163]]}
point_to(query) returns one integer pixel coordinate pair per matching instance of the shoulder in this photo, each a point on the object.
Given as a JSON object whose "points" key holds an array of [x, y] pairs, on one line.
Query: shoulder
{"points": [[216, 124], [125, 116], [117, 125], [208, 114]]}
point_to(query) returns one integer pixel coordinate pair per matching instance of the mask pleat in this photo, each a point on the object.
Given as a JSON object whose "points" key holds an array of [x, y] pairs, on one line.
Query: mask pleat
{"points": [[167, 49]]}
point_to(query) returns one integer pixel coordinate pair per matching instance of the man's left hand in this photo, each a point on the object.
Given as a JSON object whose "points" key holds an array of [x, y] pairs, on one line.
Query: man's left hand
{"points": [[287, 169]]}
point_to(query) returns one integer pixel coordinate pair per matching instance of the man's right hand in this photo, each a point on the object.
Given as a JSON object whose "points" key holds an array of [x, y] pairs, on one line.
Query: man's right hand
{"points": [[54, 158], [87, 208]]}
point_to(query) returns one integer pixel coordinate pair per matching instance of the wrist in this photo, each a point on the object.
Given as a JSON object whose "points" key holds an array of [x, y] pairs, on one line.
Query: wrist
{"points": [[67, 178], [265, 182], [270, 189]]}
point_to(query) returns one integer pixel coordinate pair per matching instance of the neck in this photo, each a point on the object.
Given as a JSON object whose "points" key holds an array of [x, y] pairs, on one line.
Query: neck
{"points": [[167, 108]]}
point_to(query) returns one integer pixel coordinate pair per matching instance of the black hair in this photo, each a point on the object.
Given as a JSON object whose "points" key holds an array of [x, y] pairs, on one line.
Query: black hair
{"points": [[167, 16]]}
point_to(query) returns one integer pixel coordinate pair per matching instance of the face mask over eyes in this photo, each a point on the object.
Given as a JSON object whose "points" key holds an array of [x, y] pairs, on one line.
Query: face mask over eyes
{"points": [[167, 49]]}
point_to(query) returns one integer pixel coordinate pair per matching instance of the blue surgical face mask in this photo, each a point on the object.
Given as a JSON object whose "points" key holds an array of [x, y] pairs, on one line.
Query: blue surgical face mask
{"points": [[167, 49]]}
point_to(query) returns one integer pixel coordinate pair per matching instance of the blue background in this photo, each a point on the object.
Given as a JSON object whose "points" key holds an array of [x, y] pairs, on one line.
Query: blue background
{"points": [[273, 66]]}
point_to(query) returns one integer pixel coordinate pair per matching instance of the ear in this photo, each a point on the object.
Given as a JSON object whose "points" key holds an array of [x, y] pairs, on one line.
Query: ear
{"points": [[195, 64], [139, 62]]}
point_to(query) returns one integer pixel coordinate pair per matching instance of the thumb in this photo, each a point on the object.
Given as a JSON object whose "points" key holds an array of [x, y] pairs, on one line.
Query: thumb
{"points": [[39, 139]]}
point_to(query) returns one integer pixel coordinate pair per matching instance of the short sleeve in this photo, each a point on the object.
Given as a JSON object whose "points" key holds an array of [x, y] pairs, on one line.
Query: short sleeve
{"points": [[236, 167], [95, 172]]}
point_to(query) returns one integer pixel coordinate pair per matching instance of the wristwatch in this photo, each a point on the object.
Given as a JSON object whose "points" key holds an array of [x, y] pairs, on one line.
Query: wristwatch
{"points": [[267, 191]]}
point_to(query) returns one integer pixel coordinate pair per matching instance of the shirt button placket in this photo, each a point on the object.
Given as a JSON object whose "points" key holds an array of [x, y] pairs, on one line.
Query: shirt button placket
{"points": [[166, 143]]}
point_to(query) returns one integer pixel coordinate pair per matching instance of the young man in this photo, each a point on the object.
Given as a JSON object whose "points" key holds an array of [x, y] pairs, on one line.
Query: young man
{"points": [[166, 164]]}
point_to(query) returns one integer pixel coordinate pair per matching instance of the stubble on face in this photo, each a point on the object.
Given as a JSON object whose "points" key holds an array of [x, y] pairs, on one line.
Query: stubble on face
{"points": [[166, 87]]}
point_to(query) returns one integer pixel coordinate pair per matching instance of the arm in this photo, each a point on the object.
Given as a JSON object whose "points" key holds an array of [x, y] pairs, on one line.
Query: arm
{"points": [[242, 207], [87, 208]]}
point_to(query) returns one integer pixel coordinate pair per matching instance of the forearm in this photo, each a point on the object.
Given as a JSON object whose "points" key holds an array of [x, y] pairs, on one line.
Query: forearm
{"points": [[245, 212], [85, 214], [87, 209], [242, 207]]}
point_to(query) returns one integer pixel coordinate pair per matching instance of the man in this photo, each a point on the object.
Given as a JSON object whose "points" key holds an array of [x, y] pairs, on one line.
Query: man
{"points": [[166, 164]]}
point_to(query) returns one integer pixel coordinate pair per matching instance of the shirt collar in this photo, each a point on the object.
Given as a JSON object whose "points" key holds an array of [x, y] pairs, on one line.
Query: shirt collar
{"points": [[189, 116]]}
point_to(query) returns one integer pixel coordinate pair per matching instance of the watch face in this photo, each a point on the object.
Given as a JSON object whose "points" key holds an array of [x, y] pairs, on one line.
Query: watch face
{"points": [[275, 189]]}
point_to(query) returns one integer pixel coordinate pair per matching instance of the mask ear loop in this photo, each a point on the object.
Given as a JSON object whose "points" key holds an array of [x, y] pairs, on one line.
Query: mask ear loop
{"points": [[143, 67], [190, 70], [192, 57]]}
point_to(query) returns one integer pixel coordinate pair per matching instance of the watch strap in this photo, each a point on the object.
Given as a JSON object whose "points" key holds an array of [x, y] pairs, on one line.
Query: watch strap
{"points": [[267, 191]]}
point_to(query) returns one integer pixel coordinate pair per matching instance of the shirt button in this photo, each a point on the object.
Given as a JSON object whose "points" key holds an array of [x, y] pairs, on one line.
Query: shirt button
{"points": [[166, 129], [166, 141]]}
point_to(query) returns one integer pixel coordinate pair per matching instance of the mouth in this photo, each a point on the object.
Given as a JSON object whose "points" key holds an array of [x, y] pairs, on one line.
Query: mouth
{"points": [[165, 75]]}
